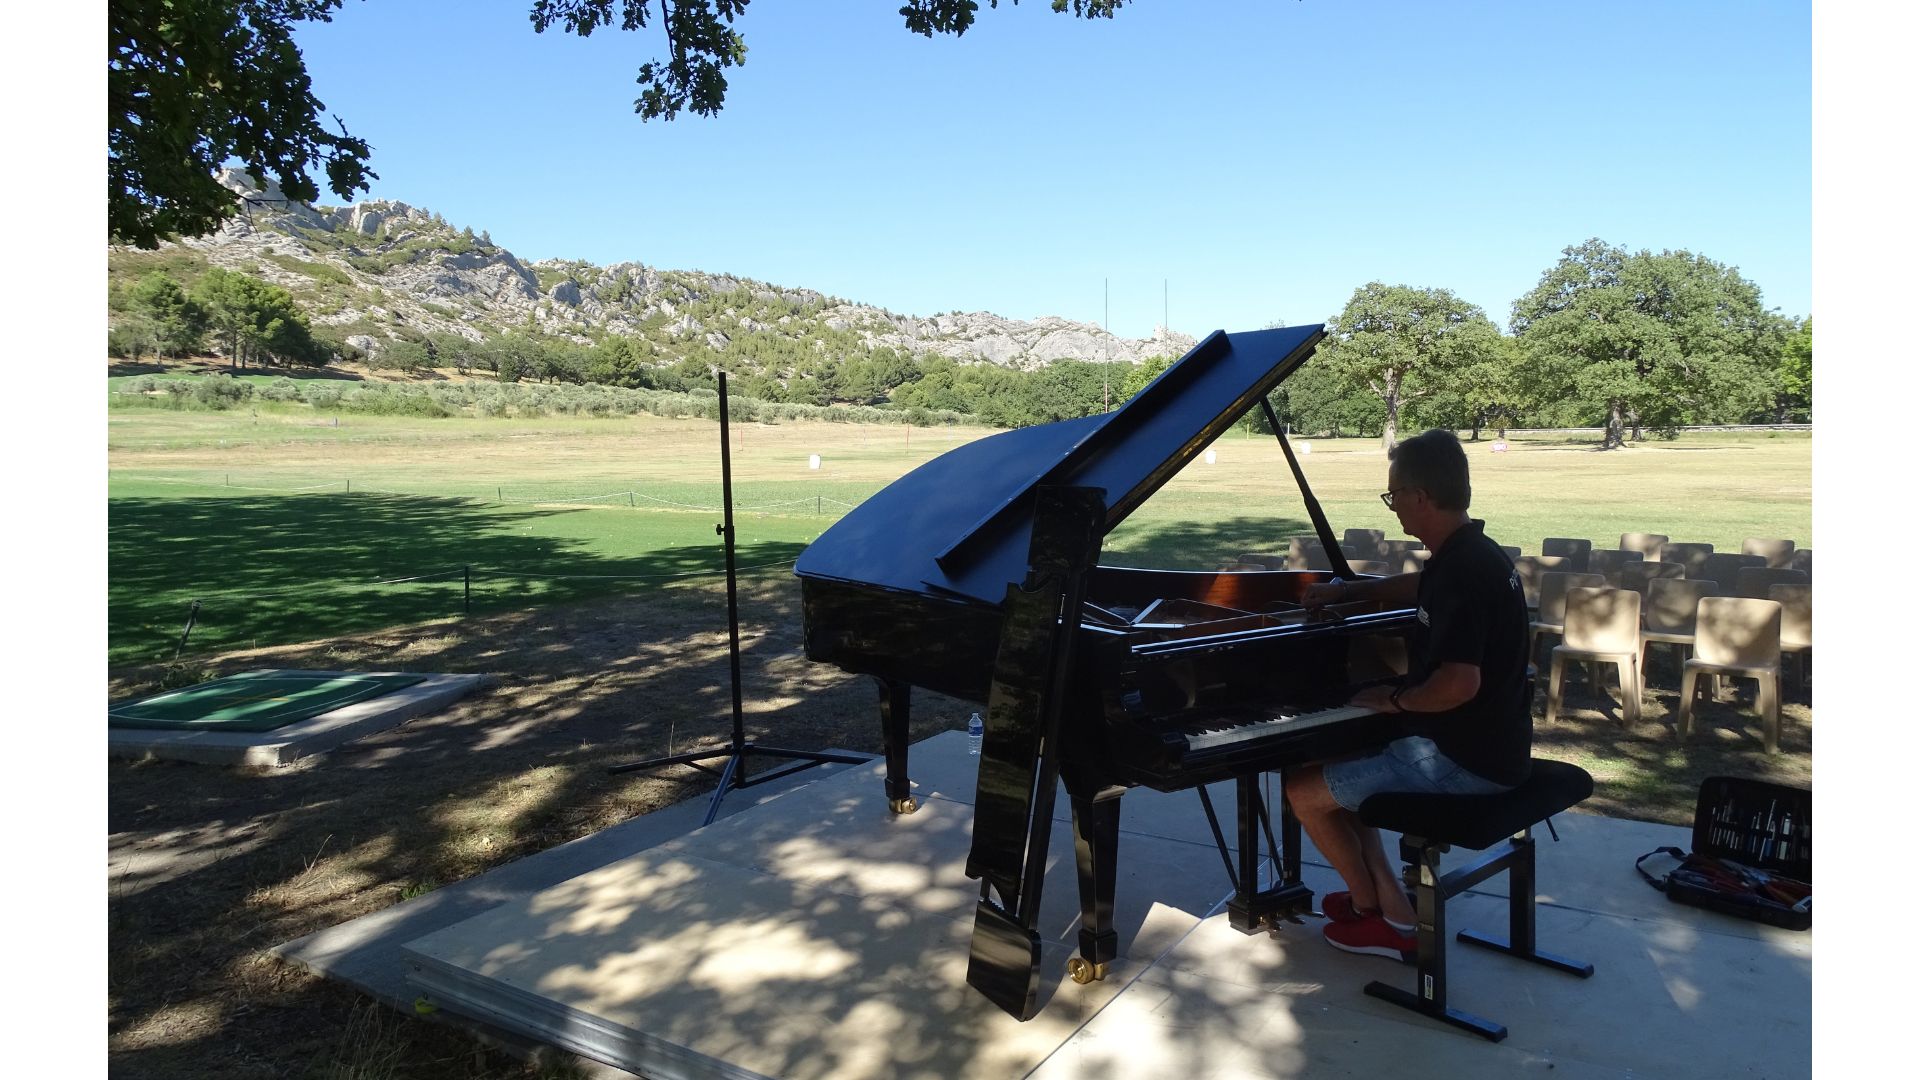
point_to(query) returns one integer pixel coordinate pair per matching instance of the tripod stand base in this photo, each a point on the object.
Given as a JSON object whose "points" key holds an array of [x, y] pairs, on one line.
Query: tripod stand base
{"points": [[732, 774]]}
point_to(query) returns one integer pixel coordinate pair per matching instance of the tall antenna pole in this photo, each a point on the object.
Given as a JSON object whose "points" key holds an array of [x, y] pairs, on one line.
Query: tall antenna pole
{"points": [[1105, 307], [1165, 321]]}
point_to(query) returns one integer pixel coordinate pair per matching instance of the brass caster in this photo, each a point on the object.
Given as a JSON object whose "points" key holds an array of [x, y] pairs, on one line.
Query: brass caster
{"points": [[903, 806], [1082, 972]]}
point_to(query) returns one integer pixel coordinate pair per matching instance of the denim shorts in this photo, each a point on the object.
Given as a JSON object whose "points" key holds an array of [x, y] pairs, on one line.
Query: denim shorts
{"points": [[1413, 764]]}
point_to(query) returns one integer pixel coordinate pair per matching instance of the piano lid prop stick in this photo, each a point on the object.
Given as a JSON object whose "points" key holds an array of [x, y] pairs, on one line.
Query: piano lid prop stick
{"points": [[1335, 557]]}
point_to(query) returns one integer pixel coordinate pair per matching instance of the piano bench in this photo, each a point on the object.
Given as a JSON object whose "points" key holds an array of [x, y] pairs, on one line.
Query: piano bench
{"points": [[1501, 825]]}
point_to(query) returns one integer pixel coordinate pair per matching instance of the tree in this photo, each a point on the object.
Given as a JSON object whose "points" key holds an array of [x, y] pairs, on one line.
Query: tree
{"points": [[1648, 341], [193, 83], [1403, 344], [174, 323], [1796, 371], [255, 319]]}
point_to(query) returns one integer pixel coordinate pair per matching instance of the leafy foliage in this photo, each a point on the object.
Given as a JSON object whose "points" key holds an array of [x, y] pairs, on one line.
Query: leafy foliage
{"points": [[1648, 341], [702, 43], [255, 320], [1403, 344], [194, 83]]}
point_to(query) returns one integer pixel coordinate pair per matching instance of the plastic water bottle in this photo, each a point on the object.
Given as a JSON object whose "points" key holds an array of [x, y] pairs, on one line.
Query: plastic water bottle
{"points": [[976, 729]]}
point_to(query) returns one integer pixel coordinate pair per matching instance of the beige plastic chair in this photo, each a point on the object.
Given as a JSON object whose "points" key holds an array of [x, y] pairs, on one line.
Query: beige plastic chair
{"points": [[1306, 554], [1691, 556], [1608, 563], [1575, 551], [1754, 581], [1512, 552], [1738, 636], [1724, 567], [1264, 560], [1552, 618], [1404, 556], [1365, 541], [1667, 616], [1370, 567], [1778, 553], [1603, 627], [1796, 626], [1802, 561], [1647, 544], [1532, 568], [1636, 575]]}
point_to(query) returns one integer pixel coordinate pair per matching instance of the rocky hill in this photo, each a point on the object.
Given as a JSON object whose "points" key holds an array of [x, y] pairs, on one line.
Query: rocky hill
{"points": [[379, 271]]}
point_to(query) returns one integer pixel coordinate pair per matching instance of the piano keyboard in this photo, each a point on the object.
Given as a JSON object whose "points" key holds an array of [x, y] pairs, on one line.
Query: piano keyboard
{"points": [[1282, 723]]}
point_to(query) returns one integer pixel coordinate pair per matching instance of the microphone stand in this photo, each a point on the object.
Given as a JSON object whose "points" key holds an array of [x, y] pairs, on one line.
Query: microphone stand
{"points": [[733, 775]]}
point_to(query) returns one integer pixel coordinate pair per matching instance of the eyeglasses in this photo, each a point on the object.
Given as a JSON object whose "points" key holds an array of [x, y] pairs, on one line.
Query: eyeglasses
{"points": [[1388, 496]]}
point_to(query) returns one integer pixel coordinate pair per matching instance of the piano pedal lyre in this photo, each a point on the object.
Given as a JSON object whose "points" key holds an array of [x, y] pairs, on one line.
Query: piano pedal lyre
{"points": [[1080, 971]]}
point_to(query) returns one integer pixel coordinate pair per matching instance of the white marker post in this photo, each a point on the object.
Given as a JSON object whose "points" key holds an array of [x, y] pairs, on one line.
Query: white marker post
{"points": [[813, 461]]}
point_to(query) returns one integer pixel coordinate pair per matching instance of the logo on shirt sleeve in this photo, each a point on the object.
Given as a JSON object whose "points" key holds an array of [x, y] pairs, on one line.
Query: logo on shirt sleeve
{"points": [[1423, 617]]}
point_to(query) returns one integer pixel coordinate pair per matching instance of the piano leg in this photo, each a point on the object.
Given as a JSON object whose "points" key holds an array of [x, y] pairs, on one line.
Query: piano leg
{"points": [[1096, 845], [1252, 908], [895, 701]]}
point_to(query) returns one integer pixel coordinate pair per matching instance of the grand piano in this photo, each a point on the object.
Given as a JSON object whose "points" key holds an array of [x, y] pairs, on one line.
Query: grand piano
{"points": [[977, 575]]}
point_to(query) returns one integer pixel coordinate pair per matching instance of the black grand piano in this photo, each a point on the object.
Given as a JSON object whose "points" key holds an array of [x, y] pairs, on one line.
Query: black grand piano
{"points": [[977, 575]]}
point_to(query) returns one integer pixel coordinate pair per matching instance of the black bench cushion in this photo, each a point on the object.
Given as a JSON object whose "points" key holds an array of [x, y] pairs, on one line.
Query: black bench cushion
{"points": [[1480, 821]]}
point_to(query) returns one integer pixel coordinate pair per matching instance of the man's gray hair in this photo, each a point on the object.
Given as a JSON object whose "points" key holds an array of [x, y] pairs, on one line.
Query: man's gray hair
{"points": [[1434, 462]]}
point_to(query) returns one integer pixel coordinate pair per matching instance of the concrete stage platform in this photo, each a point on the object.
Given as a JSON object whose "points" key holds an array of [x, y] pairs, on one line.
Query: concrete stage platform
{"points": [[818, 936], [294, 741]]}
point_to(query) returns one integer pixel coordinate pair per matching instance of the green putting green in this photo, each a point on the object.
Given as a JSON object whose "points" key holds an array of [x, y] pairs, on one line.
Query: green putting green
{"points": [[254, 701]]}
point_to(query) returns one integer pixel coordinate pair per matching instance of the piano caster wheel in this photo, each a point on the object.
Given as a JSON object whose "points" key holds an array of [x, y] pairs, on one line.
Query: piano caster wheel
{"points": [[903, 806], [1082, 972]]}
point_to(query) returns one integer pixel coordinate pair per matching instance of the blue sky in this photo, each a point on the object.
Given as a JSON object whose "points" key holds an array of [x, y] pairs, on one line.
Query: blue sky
{"points": [[1261, 158]]}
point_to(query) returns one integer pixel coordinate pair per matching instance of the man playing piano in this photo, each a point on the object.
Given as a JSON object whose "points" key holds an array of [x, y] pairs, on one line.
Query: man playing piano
{"points": [[1466, 678]]}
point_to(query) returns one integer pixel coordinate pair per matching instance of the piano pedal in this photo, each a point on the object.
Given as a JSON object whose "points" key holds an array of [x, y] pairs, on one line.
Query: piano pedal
{"points": [[1082, 972]]}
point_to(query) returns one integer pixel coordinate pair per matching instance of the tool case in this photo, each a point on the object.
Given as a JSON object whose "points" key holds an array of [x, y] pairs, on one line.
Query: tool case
{"points": [[1752, 853]]}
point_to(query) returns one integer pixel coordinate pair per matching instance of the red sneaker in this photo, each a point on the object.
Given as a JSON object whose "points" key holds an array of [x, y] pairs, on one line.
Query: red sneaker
{"points": [[1371, 936], [1338, 907]]}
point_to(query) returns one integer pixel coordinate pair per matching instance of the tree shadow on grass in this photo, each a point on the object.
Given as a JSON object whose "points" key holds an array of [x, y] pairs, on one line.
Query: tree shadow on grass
{"points": [[276, 569]]}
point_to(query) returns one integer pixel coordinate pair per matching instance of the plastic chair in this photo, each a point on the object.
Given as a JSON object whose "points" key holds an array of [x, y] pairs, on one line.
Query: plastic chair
{"points": [[1778, 553], [1574, 550], [1691, 556], [1367, 541], [1796, 626], [1369, 567], [1263, 560], [1608, 563], [1724, 567], [1404, 556], [1636, 575], [1602, 627], [1306, 554], [1512, 552], [1667, 618], [1552, 618], [1532, 568], [1802, 560], [1739, 636], [1755, 581], [1647, 544]]}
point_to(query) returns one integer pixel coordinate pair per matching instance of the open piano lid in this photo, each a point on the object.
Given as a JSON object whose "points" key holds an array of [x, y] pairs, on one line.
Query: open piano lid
{"points": [[960, 523]]}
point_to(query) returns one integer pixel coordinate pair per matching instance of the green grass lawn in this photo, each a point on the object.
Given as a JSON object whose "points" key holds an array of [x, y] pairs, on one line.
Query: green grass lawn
{"points": [[281, 522]]}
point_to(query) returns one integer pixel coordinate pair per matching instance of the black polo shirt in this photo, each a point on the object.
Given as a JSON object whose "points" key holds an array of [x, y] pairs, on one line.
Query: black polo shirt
{"points": [[1473, 611]]}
